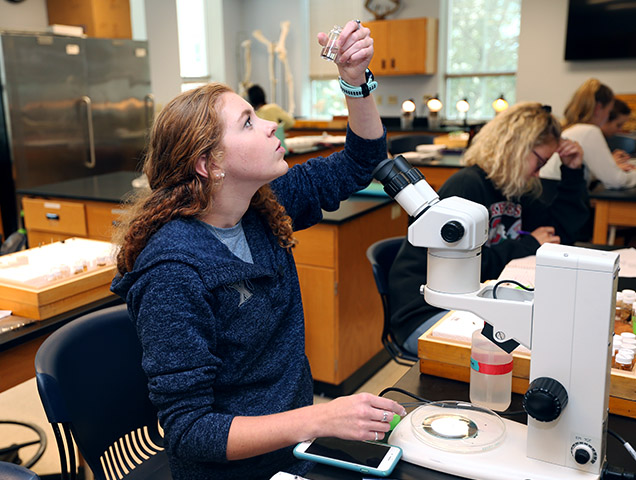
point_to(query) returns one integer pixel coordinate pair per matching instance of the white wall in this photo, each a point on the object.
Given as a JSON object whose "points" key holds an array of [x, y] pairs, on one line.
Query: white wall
{"points": [[543, 75], [163, 46]]}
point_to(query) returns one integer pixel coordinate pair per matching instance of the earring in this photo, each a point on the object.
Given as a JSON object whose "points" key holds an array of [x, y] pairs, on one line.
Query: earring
{"points": [[219, 175]]}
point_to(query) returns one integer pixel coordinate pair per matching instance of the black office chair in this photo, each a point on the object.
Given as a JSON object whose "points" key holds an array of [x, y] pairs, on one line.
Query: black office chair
{"points": [[408, 143], [381, 255], [95, 395]]}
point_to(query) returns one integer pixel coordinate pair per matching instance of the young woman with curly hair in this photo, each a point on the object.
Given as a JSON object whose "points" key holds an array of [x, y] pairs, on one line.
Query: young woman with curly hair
{"points": [[501, 173], [207, 271]]}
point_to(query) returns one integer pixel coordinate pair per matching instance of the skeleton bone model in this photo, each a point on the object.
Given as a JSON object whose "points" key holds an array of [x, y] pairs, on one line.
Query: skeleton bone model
{"points": [[273, 48]]}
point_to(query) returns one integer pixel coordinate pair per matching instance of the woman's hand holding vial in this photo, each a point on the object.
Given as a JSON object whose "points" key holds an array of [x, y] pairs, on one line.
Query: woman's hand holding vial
{"points": [[351, 48]]}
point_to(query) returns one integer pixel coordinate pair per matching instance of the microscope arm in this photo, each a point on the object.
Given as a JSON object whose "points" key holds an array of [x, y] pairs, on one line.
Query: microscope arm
{"points": [[510, 314]]}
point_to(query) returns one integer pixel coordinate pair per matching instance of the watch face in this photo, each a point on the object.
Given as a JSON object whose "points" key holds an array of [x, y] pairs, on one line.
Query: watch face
{"points": [[382, 8]]}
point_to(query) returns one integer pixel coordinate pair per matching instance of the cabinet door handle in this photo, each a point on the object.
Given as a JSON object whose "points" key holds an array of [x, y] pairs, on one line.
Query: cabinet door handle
{"points": [[52, 216], [149, 104], [86, 100], [393, 63], [383, 64]]}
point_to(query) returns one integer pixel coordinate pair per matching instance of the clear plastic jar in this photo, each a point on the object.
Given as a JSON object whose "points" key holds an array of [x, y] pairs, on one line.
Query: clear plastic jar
{"points": [[330, 50], [490, 374]]}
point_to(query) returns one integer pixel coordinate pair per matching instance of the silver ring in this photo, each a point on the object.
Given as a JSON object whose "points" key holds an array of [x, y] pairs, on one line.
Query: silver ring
{"points": [[376, 436], [358, 22], [385, 416]]}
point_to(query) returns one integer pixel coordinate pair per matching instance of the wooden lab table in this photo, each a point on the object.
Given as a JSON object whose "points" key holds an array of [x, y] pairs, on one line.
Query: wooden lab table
{"points": [[438, 389], [612, 208]]}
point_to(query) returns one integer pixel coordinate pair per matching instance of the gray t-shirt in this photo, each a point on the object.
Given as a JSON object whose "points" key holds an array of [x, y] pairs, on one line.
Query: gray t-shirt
{"points": [[234, 239]]}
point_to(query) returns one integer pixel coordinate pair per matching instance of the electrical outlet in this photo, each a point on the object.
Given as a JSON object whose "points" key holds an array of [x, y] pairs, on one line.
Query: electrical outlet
{"points": [[392, 100], [378, 99]]}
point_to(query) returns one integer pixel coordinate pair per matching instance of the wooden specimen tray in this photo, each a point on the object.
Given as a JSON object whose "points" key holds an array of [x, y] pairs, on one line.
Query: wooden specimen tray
{"points": [[39, 294], [447, 357]]}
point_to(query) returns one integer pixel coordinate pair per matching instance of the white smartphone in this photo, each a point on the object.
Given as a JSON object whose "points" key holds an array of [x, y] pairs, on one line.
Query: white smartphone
{"points": [[366, 457]]}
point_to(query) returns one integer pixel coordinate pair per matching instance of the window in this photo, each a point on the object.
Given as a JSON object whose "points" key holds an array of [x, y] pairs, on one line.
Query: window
{"points": [[193, 52], [327, 99], [482, 54]]}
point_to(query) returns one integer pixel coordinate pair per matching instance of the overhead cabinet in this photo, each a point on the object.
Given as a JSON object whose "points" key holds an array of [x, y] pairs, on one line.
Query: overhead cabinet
{"points": [[404, 46]]}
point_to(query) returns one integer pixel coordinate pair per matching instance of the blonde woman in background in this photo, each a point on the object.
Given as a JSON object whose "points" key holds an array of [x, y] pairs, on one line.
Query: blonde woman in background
{"points": [[502, 172], [587, 111]]}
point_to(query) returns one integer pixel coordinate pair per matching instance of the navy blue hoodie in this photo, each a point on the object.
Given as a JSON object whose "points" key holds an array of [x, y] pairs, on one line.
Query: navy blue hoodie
{"points": [[224, 338]]}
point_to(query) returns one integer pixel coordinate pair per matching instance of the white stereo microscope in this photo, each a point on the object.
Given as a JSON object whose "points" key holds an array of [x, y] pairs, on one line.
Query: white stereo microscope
{"points": [[567, 322]]}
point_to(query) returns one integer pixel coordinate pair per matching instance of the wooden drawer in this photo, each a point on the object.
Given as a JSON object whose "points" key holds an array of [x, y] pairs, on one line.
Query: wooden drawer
{"points": [[54, 216], [316, 246], [37, 238], [101, 220]]}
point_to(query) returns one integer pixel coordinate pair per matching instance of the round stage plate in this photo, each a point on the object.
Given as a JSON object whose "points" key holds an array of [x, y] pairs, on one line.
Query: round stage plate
{"points": [[458, 426]]}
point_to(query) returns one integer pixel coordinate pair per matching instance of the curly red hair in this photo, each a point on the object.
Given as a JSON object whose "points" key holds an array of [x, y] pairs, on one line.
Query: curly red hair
{"points": [[187, 128]]}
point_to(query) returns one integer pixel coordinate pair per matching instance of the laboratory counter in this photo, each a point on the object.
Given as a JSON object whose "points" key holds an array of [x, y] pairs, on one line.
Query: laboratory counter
{"points": [[439, 389], [117, 188], [343, 312], [393, 126]]}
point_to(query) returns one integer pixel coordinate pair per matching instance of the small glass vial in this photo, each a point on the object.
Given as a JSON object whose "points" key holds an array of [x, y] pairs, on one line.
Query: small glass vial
{"points": [[490, 374], [330, 50]]}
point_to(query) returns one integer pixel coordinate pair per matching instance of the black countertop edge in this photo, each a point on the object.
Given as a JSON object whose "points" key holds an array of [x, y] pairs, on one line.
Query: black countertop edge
{"points": [[625, 194], [36, 328], [356, 206], [109, 187], [116, 187]]}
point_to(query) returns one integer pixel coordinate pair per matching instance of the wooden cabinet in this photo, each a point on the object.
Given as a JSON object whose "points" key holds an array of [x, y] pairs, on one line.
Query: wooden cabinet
{"points": [[404, 46], [104, 19], [343, 312], [51, 219]]}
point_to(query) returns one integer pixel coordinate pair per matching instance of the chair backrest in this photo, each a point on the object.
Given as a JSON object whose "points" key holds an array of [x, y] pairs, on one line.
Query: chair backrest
{"points": [[90, 378], [623, 142], [408, 143], [381, 255]]}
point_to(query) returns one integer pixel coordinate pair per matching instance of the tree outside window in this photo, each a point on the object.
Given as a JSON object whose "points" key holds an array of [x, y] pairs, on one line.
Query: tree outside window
{"points": [[482, 55]]}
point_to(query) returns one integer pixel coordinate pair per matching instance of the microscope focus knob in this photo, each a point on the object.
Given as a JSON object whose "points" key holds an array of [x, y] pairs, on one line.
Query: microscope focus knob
{"points": [[583, 453], [545, 399], [452, 231]]}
